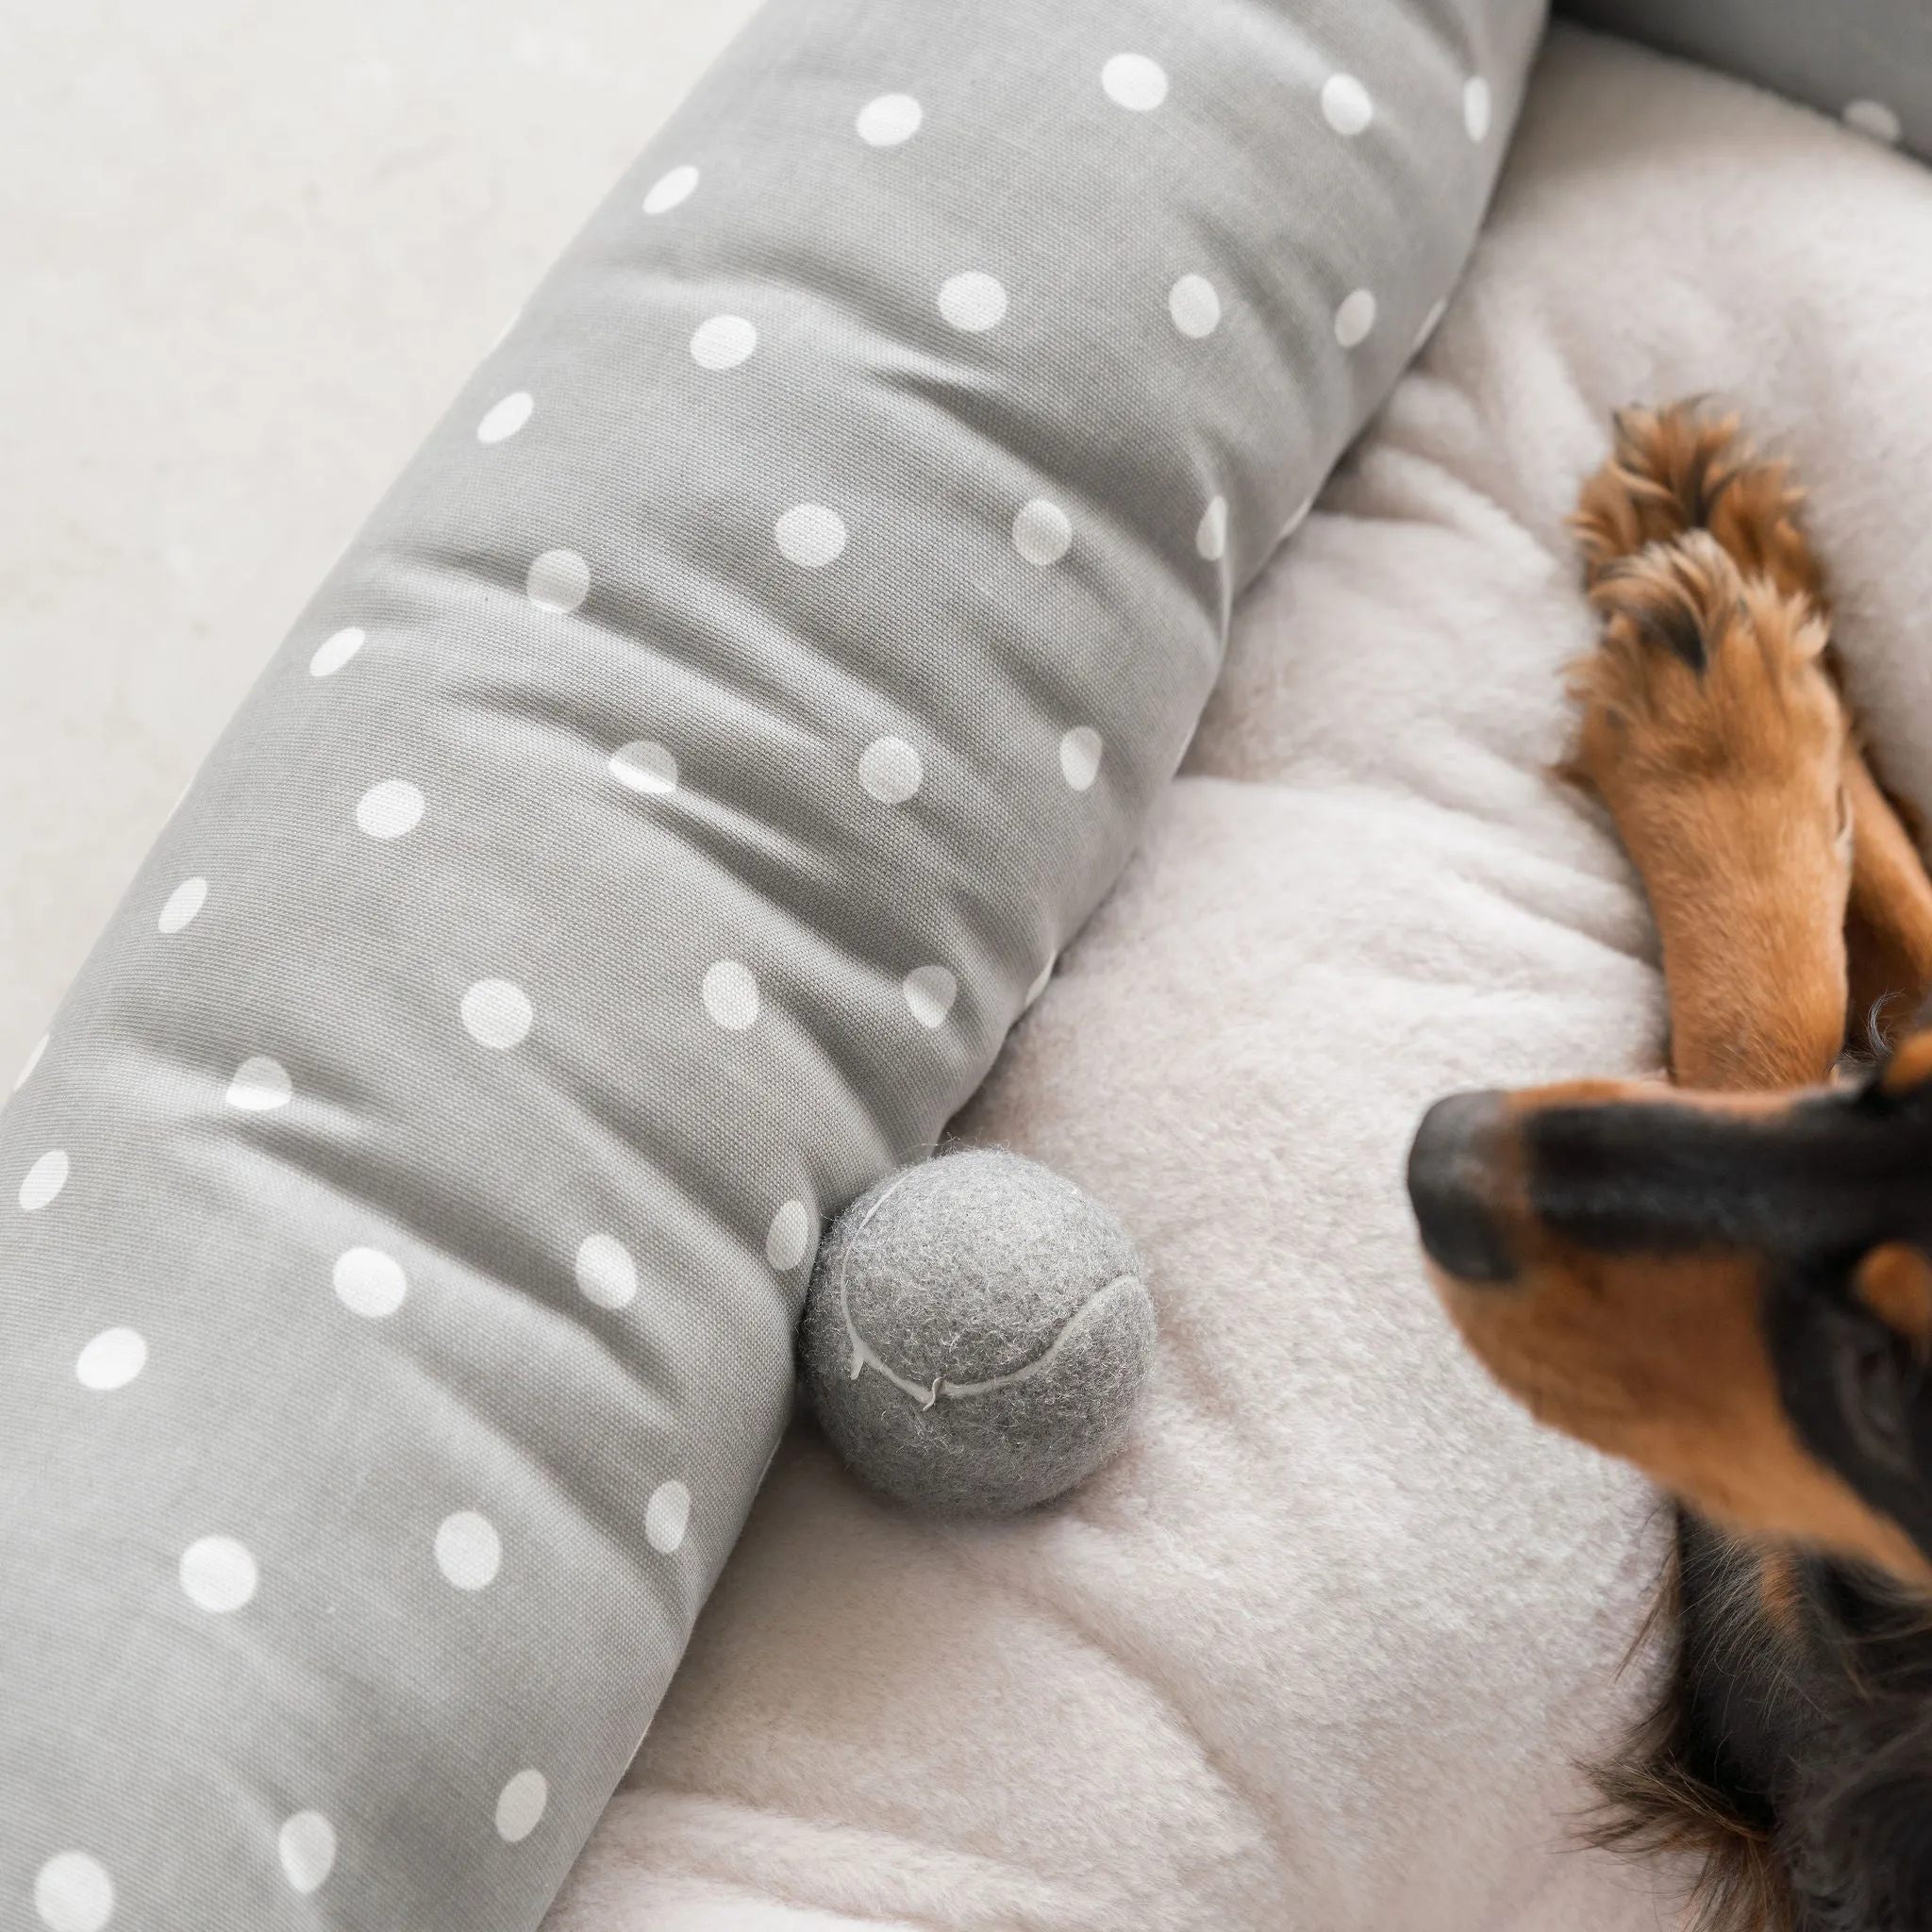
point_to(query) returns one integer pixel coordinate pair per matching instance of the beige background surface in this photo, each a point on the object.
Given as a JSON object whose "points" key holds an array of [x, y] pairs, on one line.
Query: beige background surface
{"points": [[248, 250]]}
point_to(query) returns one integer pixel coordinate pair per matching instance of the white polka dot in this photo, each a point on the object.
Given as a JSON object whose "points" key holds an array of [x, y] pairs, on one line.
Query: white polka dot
{"points": [[333, 653], [391, 809], [891, 771], [44, 1180], [1195, 306], [1438, 310], [669, 189], [261, 1084], [1210, 538], [1354, 318], [469, 1552], [1080, 757], [1874, 120], [889, 120], [33, 1059], [306, 1843], [789, 1240], [605, 1273], [809, 535], [218, 1574], [521, 1806], [1297, 517], [184, 902], [1039, 984], [930, 991], [369, 1283], [731, 996], [1475, 107], [111, 1359], [972, 302], [498, 1013], [506, 417], [74, 1893], [1042, 533], [1346, 104], [1132, 80], [645, 766], [560, 580], [667, 1515], [722, 343]]}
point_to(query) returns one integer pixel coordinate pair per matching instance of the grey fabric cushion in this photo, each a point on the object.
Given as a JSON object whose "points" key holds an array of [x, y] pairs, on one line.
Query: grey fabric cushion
{"points": [[645, 841], [1868, 61]]}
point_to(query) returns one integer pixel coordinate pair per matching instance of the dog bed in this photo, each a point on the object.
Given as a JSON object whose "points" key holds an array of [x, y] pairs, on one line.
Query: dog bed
{"points": [[339, 1588], [1324, 1649], [642, 843]]}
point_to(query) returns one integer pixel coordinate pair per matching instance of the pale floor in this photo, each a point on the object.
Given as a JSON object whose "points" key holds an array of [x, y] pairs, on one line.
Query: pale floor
{"points": [[250, 248]]}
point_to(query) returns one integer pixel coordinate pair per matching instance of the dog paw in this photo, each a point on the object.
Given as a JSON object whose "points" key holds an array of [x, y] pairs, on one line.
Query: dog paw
{"points": [[1676, 470], [1708, 705]]}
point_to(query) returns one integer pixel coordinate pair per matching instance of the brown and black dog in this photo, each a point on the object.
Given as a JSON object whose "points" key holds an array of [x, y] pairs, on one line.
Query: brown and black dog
{"points": [[1725, 1280]]}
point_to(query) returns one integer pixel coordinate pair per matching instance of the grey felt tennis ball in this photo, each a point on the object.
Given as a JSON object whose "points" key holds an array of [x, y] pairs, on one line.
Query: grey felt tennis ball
{"points": [[977, 1333]]}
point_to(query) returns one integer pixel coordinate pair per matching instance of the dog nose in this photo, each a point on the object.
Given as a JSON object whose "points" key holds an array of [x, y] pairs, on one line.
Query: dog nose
{"points": [[1451, 1187]]}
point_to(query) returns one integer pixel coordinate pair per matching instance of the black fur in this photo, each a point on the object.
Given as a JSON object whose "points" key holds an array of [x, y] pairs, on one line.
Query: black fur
{"points": [[1823, 1181], [1807, 1726], [1821, 1730]]}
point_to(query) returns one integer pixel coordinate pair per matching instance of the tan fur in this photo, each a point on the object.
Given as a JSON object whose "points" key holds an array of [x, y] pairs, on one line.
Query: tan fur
{"points": [[1777, 1589], [1713, 734], [1712, 729], [1662, 1361], [1911, 1065], [1889, 922], [1787, 891], [1676, 470], [1894, 1281]]}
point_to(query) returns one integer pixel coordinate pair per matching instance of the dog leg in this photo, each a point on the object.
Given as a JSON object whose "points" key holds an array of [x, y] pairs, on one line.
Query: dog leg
{"points": [[1713, 730], [1889, 922], [1715, 736]]}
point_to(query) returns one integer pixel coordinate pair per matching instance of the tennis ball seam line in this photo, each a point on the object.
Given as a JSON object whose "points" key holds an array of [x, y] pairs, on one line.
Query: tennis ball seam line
{"points": [[864, 1356]]}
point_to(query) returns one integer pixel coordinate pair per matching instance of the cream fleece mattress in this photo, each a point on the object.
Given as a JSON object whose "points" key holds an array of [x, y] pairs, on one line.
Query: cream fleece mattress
{"points": [[1322, 1650]]}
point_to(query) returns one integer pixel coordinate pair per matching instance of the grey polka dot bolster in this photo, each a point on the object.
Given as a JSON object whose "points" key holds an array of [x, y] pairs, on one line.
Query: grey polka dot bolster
{"points": [[644, 844], [1868, 62]]}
